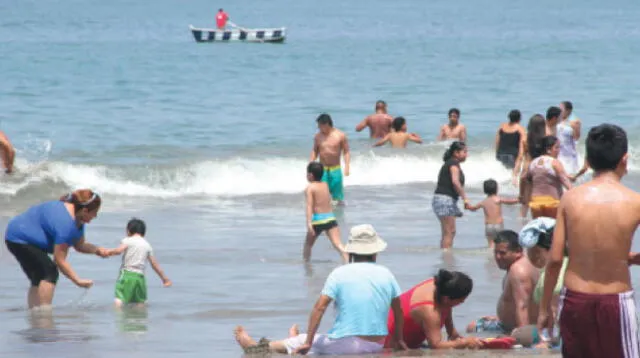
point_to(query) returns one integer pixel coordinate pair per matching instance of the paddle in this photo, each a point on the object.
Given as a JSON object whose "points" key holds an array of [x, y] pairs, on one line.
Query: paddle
{"points": [[237, 27]]}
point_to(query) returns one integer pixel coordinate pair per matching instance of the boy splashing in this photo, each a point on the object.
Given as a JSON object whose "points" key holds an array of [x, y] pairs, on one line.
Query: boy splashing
{"points": [[319, 212], [597, 221], [131, 286]]}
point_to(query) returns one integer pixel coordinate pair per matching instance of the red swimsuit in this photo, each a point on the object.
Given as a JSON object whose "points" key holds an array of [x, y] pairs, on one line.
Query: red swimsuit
{"points": [[414, 334]]}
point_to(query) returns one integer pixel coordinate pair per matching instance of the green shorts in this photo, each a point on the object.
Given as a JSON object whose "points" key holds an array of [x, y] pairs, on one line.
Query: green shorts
{"points": [[131, 287], [333, 177]]}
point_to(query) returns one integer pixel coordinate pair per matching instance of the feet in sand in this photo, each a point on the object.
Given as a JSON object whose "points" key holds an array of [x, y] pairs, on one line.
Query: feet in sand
{"points": [[242, 337], [294, 331]]}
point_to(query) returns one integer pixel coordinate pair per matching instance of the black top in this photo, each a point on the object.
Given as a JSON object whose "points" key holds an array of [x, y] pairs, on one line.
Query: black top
{"points": [[445, 184], [509, 143]]}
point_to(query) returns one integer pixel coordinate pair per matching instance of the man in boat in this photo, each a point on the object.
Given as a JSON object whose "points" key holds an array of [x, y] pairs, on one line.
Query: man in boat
{"points": [[7, 153], [221, 19], [379, 123], [328, 144], [454, 130]]}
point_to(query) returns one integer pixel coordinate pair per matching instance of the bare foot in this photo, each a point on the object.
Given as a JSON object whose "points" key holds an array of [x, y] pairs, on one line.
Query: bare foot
{"points": [[243, 338], [294, 331]]}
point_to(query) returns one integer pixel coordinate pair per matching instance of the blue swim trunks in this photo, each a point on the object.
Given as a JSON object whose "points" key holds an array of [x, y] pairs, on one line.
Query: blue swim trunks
{"points": [[333, 177], [323, 222]]}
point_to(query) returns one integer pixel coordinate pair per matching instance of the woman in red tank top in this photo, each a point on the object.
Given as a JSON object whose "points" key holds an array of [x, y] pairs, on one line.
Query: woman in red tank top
{"points": [[427, 307]]}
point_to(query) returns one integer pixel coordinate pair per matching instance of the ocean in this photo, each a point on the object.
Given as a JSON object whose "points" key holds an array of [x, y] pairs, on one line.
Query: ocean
{"points": [[208, 144]]}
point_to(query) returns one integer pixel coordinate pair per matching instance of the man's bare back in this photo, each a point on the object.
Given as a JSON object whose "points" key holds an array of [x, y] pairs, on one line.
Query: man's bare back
{"points": [[399, 139], [379, 124], [329, 147], [518, 285], [600, 219]]}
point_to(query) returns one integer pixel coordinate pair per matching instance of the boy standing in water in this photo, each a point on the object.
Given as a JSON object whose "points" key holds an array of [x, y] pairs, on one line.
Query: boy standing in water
{"points": [[131, 286], [597, 221], [492, 207], [319, 212], [399, 137]]}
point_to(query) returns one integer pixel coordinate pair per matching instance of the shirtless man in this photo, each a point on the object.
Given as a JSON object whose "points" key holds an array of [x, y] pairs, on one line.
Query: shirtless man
{"points": [[454, 129], [399, 137], [379, 123], [516, 307], [552, 119], [597, 220], [328, 144], [7, 152]]}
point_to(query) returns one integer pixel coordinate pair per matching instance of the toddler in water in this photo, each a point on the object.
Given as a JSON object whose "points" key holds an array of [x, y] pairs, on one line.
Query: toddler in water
{"points": [[492, 207], [131, 286], [319, 212]]}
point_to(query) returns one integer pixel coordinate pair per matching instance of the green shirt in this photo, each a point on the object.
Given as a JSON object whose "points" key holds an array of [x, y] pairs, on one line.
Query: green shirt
{"points": [[537, 293]]}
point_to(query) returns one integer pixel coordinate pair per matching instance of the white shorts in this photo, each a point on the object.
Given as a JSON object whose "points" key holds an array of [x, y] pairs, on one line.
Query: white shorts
{"points": [[323, 345]]}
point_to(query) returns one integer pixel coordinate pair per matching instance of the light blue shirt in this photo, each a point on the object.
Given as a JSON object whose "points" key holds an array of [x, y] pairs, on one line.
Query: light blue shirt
{"points": [[362, 293]]}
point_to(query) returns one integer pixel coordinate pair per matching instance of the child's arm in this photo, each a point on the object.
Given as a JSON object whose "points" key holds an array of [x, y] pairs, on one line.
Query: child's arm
{"points": [[415, 138], [475, 207], [156, 267], [117, 251], [309, 208], [382, 141], [510, 201]]}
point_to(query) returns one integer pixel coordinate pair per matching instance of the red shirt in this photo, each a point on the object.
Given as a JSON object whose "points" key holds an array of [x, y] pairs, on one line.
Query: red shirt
{"points": [[221, 19]]}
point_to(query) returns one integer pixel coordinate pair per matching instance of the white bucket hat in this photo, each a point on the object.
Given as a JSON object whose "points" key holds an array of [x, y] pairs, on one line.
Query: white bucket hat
{"points": [[363, 240]]}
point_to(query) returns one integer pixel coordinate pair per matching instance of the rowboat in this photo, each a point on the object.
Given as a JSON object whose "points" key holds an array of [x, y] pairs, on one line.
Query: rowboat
{"points": [[274, 35]]}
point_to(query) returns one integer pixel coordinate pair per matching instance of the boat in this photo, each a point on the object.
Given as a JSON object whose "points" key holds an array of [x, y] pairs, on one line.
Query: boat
{"points": [[274, 35]]}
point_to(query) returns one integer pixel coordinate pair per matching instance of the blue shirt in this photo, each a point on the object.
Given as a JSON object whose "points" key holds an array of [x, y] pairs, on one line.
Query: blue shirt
{"points": [[44, 225], [362, 293]]}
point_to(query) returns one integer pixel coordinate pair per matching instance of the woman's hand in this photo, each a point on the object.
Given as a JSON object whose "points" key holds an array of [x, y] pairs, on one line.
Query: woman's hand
{"points": [[303, 349], [402, 346], [84, 283], [102, 252]]}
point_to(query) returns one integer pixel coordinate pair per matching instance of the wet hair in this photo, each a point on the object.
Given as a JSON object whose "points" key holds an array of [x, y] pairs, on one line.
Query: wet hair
{"points": [[454, 110], [454, 147], [490, 187], [397, 123], [510, 238], [325, 119], [514, 116], [546, 238], [83, 199], [536, 129], [136, 226], [220, 10], [567, 105], [547, 143], [606, 146], [452, 284], [380, 104], [553, 112], [316, 170]]}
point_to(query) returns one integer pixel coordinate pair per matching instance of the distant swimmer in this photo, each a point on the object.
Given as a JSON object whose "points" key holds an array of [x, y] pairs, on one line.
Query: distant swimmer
{"points": [[379, 123], [597, 222], [221, 19], [319, 213], [454, 129], [328, 144], [399, 137], [7, 152]]}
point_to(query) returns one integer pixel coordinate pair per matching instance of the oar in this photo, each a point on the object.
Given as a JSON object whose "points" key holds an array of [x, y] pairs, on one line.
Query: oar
{"points": [[237, 27]]}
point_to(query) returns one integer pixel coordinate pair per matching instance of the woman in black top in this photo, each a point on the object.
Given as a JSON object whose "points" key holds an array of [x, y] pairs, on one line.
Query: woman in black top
{"points": [[450, 187], [510, 141]]}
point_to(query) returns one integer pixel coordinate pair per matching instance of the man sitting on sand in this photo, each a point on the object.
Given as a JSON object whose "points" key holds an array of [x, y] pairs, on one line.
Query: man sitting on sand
{"points": [[516, 307], [379, 123], [399, 137], [597, 221], [454, 130], [363, 292]]}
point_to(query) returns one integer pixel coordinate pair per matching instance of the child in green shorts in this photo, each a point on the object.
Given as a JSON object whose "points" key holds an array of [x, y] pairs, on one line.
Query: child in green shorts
{"points": [[131, 286]]}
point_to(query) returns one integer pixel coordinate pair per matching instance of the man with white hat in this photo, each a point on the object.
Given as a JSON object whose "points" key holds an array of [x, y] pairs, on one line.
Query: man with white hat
{"points": [[363, 291]]}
